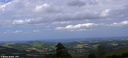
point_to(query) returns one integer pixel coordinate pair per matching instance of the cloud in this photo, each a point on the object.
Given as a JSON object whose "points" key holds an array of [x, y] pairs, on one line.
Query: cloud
{"points": [[41, 7], [76, 3], [45, 8], [82, 3], [18, 22], [123, 23], [36, 31], [17, 31], [61, 22], [105, 13], [4, 6], [78, 27], [14, 32], [66, 15], [91, 26]]}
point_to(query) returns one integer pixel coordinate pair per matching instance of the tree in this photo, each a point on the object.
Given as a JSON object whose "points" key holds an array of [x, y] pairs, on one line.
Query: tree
{"points": [[124, 55], [61, 51], [91, 55], [101, 51], [114, 56], [49, 56]]}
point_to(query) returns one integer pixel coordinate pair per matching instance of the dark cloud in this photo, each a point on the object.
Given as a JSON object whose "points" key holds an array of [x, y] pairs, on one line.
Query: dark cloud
{"points": [[76, 3]]}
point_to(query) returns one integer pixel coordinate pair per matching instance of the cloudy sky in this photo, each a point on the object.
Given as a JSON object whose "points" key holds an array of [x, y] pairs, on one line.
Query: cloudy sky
{"points": [[62, 19]]}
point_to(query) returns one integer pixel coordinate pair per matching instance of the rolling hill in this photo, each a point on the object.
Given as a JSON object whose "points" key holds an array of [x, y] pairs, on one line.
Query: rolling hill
{"points": [[118, 51]]}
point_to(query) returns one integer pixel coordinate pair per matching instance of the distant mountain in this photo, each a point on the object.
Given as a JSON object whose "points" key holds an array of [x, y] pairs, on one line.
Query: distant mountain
{"points": [[66, 39]]}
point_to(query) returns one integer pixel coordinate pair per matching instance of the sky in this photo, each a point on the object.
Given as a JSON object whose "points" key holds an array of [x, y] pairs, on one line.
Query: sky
{"points": [[62, 19]]}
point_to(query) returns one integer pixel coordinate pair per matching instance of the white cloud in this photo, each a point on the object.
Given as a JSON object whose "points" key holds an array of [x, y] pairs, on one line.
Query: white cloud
{"points": [[77, 27], [90, 26], [15, 32], [40, 8], [123, 23], [2, 7], [105, 13], [17, 22]]}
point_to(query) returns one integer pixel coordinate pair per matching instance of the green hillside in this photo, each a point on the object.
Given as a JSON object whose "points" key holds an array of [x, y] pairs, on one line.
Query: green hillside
{"points": [[118, 51], [37, 45]]}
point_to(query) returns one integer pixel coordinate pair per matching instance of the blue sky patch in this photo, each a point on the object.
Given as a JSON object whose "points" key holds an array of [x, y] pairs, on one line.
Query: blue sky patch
{"points": [[6, 1]]}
